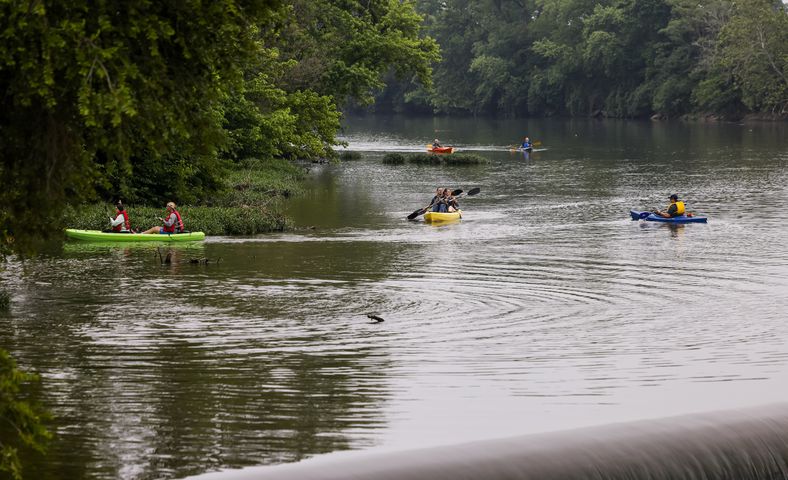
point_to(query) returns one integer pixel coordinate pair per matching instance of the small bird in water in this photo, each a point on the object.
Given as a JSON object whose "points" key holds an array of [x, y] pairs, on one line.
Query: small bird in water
{"points": [[374, 317]]}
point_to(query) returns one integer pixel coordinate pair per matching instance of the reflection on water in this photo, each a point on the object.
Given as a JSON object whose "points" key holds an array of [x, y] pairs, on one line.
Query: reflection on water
{"points": [[545, 308]]}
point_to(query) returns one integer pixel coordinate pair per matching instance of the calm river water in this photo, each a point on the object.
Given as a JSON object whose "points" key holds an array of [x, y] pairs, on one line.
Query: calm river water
{"points": [[545, 308]]}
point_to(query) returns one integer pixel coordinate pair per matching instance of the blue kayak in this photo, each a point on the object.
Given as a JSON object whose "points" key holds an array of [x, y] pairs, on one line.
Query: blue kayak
{"points": [[648, 216]]}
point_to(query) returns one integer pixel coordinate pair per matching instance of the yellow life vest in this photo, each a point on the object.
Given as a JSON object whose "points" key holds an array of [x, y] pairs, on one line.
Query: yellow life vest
{"points": [[679, 208]]}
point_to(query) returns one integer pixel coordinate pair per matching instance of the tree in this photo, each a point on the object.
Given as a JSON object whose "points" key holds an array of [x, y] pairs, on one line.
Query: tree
{"points": [[343, 49], [754, 47], [93, 89]]}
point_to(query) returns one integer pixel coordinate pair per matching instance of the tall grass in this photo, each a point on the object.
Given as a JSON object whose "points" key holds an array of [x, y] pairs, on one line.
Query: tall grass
{"points": [[394, 159], [349, 155], [260, 182], [455, 159]]}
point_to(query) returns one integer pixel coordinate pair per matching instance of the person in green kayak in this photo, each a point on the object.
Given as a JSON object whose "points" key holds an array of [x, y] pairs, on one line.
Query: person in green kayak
{"points": [[675, 209], [172, 222], [121, 222]]}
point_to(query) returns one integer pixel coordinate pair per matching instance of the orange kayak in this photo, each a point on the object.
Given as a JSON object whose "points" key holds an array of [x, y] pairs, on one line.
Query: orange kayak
{"points": [[440, 149]]}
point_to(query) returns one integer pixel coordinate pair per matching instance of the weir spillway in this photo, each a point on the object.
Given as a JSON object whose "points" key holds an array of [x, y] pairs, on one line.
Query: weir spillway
{"points": [[739, 444]]}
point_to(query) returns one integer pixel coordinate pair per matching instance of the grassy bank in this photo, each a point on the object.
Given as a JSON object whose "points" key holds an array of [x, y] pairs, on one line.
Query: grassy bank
{"points": [[455, 159], [251, 202]]}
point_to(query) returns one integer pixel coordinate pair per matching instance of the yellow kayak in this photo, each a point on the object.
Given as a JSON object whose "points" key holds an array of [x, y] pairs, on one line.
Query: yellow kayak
{"points": [[442, 217]]}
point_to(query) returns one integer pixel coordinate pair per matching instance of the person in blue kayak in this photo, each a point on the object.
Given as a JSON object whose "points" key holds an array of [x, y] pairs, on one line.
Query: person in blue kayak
{"points": [[172, 222], [675, 209], [121, 222], [526, 145]]}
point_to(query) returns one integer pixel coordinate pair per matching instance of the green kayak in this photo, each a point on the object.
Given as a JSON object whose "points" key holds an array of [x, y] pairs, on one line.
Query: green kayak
{"points": [[99, 236]]}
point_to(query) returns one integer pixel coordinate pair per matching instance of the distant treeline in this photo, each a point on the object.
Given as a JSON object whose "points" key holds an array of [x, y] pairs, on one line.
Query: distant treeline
{"points": [[617, 58]]}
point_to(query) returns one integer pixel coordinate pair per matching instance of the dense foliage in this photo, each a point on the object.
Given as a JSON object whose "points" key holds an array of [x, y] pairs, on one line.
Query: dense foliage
{"points": [[152, 101], [21, 417], [618, 58]]}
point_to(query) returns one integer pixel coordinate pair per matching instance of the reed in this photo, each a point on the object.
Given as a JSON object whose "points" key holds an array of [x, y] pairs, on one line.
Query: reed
{"points": [[455, 159], [348, 155], [394, 159]]}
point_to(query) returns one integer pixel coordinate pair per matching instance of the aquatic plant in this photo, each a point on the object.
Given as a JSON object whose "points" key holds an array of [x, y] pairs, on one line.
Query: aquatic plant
{"points": [[349, 155], [432, 159], [394, 159]]}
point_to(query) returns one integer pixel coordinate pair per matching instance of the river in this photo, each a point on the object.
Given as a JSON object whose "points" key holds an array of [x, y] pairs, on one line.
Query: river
{"points": [[545, 308]]}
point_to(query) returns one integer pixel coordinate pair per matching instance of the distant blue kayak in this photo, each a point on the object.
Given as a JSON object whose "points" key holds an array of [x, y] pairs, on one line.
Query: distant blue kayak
{"points": [[648, 216]]}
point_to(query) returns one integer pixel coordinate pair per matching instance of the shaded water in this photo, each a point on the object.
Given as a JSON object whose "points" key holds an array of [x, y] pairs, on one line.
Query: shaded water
{"points": [[545, 308]]}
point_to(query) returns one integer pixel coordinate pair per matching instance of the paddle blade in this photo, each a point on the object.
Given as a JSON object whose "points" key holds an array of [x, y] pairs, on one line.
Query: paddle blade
{"points": [[537, 143], [643, 215], [473, 191], [454, 193], [416, 213]]}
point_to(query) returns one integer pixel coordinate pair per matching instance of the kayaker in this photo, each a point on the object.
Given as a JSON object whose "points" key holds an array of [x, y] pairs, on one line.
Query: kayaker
{"points": [[436, 144], [439, 201], [675, 208], [121, 223], [451, 202], [526, 144], [172, 222]]}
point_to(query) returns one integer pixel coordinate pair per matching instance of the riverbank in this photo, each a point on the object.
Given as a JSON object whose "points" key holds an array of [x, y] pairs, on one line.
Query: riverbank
{"points": [[251, 202]]}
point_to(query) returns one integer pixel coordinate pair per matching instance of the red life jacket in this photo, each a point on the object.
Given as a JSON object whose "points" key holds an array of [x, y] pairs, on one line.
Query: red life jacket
{"points": [[126, 222], [176, 227]]}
